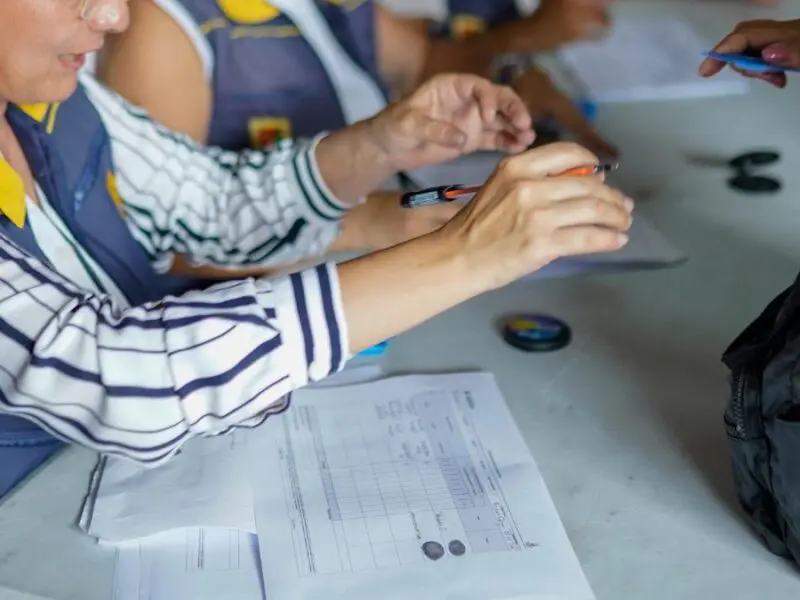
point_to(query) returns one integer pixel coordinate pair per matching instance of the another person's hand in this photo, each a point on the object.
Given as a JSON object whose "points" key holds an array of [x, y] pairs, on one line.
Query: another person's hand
{"points": [[449, 116], [382, 222], [557, 22], [544, 99], [526, 215], [778, 42]]}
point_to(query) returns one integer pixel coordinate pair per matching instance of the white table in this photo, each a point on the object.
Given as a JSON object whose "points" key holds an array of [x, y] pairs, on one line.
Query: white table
{"points": [[626, 423]]}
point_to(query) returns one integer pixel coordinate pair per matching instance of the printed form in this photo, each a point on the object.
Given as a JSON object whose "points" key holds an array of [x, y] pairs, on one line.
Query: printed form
{"points": [[408, 487], [197, 563]]}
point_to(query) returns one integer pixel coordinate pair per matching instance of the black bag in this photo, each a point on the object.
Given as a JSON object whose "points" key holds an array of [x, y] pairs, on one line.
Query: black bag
{"points": [[762, 421]]}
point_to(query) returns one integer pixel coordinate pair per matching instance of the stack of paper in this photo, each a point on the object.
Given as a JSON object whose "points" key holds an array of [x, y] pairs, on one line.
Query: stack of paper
{"points": [[647, 59], [401, 487]]}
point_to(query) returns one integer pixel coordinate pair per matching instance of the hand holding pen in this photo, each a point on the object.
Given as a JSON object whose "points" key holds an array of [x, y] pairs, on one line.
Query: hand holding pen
{"points": [[524, 217], [451, 193]]}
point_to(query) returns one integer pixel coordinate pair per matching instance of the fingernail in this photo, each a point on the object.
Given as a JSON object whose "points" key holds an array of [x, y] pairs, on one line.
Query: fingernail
{"points": [[778, 53], [622, 238], [628, 203]]}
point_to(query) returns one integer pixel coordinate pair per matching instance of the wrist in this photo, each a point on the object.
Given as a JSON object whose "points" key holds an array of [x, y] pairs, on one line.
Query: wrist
{"points": [[376, 143], [352, 232], [406, 285], [450, 256], [351, 164]]}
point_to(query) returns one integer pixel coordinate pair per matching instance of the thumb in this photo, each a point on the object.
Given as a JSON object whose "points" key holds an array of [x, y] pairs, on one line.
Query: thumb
{"points": [[424, 129], [781, 53], [546, 161]]}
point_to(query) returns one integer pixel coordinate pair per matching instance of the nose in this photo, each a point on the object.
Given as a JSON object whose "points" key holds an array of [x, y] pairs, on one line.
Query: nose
{"points": [[110, 16]]}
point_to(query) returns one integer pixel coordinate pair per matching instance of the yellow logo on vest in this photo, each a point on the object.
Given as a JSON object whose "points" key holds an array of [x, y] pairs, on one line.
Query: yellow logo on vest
{"points": [[42, 112], [464, 26], [248, 12], [265, 131], [111, 187], [12, 194]]}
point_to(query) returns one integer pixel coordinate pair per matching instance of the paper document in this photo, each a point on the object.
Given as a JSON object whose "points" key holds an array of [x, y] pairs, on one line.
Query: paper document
{"points": [[206, 484], [647, 59], [197, 563], [408, 487]]}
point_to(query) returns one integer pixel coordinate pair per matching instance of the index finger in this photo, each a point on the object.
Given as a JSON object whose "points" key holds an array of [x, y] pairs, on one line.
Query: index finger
{"points": [[734, 42], [494, 100], [546, 161], [750, 35]]}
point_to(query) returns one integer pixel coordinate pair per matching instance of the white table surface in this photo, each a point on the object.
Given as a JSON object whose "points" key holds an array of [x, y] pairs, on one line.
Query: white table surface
{"points": [[626, 423]]}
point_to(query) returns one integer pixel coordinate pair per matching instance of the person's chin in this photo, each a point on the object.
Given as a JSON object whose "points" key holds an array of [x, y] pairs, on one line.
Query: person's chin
{"points": [[62, 89]]}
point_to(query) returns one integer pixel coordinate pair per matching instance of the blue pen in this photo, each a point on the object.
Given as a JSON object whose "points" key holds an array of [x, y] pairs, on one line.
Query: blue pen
{"points": [[746, 62]]}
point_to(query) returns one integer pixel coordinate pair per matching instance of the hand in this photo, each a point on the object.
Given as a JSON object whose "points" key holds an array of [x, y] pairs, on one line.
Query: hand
{"points": [[544, 99], [381, 222], [449, 116], [526, 216], [778, 42], [557, 22]]}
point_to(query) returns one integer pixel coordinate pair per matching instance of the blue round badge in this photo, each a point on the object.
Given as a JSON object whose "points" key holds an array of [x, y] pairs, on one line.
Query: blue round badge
{"points": [[536, 333]]}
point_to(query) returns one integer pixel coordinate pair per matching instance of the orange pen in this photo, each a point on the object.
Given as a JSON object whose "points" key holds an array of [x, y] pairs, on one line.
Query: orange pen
{"points": [[449, 193]]}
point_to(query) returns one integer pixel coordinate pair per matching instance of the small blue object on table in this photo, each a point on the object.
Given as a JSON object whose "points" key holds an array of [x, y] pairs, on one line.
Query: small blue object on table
{"points": [[376, 350]]}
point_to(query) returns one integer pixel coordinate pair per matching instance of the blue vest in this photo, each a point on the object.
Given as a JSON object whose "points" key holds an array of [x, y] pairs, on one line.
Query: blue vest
{"points": [[268, 82], [69, 153], [466, 17]]}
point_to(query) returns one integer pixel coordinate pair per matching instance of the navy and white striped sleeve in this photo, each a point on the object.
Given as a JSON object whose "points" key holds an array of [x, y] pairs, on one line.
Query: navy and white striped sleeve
{"points": [[139, 382], [219, 208]]}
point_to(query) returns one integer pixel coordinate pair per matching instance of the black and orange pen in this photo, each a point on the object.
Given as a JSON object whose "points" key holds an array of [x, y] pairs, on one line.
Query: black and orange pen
{"points": [[450, 193]]}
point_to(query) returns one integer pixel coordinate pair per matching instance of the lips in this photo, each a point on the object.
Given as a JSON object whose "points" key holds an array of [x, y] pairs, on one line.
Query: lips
{"points": [[73, 61]]}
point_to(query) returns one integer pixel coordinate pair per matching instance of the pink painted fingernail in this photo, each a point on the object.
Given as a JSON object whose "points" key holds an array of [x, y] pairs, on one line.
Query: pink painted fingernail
{"points": [[777, 53]]}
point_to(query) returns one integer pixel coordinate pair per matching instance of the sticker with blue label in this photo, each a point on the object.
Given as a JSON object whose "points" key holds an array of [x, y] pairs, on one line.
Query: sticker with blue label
{"points": [[536, 333]]}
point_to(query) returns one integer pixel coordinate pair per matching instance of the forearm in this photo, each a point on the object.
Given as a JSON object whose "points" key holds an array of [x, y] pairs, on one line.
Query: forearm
{"points": [[476, 54], [217, 208], [519, 36], [352, 238], [212, 360], [456, 56], [351, 163], [388, 292]]}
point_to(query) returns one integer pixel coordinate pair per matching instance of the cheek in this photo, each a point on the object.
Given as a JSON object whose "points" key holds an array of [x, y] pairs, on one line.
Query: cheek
{"points": [[33, 72], [33, 34]]}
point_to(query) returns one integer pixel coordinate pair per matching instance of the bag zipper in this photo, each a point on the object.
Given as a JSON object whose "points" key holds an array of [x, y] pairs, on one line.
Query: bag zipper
{"points": [[737, 406]]}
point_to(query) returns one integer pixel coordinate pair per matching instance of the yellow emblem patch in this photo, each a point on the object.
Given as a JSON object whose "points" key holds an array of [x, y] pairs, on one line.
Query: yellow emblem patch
{"points": [[464, 26], [265, 131], [12, 194], [248, 12], [111, 187]]}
